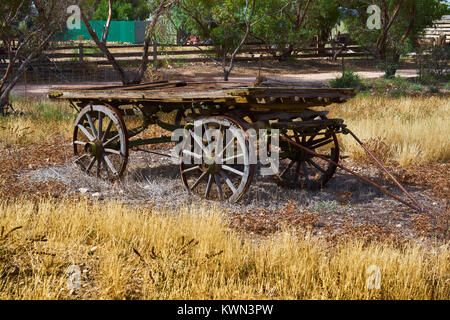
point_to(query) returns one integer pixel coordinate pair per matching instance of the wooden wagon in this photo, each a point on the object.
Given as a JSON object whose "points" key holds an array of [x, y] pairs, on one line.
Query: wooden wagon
{"points": [[308, 149]]}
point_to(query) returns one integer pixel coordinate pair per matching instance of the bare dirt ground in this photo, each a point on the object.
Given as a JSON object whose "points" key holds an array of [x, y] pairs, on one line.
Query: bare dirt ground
{"points": [[320, 71], [155, 181]]}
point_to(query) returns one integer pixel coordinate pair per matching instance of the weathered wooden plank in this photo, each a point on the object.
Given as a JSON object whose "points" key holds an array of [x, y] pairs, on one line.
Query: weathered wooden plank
{"points": [[277, 98]]}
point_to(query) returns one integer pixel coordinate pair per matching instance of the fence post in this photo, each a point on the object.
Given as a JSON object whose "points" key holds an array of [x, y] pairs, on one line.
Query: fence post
{"points": [[155, 55], [80, 52]]}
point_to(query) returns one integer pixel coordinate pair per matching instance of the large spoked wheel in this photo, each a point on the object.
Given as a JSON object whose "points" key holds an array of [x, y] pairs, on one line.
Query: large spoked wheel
{"points": [[100, 142], [298, 168], [215, 162]]}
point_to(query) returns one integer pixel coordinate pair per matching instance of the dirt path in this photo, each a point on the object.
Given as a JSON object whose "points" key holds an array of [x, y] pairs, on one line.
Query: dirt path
{"points": [[324, 77]]}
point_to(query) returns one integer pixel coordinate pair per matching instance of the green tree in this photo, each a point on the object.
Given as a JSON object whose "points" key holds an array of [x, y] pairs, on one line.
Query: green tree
{"points": [[226, 24], [121, 10], [401, 23], [162, 6], [33, 23], [295, 24], [323, 16]]}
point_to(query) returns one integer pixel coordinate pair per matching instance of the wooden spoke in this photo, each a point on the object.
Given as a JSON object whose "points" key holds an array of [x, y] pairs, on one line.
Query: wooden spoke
{"points": [[110, 164], [91, 164], [105, 167], [209, 185], [81, 143], [199, 142], [291, 163], [305, 174], [192, 169], [111, 140], [315, 165], [99, 167], [107, 131], [113, 151], [317, 146], [220, 154], [226, 160], [230, 169], [100, 125], [219, 186], [192, 154], [80, 158], [196, 183], [228, 181], [86, 132], [91, 124]]}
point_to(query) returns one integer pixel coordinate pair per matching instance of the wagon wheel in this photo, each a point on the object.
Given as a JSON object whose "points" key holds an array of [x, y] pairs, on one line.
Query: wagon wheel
{"points": [[215, 161], [300, 168], [100, 141]]}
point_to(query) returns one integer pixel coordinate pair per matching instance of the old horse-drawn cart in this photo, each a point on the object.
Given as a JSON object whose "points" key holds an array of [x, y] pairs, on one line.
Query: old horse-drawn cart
{"points": [[308, 149]]}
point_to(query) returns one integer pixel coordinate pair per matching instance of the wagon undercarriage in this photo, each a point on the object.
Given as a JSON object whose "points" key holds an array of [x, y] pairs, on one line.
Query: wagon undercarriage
{"points": [[215, 117]]}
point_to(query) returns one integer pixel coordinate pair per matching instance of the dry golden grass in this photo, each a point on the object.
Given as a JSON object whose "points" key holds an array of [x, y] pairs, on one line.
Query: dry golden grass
{"points": [[43, 122], [410, 130], [405, 131], [191, 253]]}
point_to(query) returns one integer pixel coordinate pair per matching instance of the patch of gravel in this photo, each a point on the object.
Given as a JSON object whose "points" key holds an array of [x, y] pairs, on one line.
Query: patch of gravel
{"points": [[152, 179]]}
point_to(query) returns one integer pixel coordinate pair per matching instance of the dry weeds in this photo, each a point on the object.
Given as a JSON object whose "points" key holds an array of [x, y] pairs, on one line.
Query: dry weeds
{"points": [[199, 252], [407, 131], [191, 253]]}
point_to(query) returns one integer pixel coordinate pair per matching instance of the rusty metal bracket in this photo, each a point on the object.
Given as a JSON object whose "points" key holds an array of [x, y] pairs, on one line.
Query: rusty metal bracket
{"points": [[416, 206]]}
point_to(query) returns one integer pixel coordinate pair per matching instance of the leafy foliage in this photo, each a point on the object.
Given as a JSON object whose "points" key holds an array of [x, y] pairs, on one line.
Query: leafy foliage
{"points": [[349, 79], [122, 10], [402, 23]]}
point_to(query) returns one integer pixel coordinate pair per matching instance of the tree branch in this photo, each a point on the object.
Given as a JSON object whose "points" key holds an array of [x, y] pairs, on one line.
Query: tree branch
{"points": [[108, 22], [105, 50], [163, 6]]}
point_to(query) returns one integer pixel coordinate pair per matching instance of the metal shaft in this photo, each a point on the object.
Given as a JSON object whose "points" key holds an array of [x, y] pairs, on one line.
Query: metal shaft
{"points": [[386, 171], [418, 208]]}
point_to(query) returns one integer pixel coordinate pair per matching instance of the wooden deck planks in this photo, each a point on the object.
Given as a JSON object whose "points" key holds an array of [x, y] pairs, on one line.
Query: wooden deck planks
{"points": [[198, 92]]}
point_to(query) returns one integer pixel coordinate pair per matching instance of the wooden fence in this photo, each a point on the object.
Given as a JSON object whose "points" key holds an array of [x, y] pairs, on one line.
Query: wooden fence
{"points": [[84, 61], [132, 54]]}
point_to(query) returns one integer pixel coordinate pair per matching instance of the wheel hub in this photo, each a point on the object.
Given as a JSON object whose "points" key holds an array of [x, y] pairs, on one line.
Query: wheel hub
{"points": [[213, 168], [95, 149]]}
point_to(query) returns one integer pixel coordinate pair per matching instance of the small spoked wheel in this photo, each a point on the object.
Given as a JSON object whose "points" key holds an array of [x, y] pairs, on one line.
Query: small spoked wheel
{"points": [[298, 168], [215, 162], [100, 142]]}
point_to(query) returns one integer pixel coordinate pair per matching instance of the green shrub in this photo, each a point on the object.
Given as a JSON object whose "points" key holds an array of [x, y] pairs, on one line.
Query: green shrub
{"points": [[397, 93], [50, 112], [349, 79], [433, 89], [416, 87]]}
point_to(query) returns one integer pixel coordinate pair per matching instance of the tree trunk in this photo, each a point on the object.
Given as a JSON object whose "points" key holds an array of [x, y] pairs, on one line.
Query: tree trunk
{"points": [[391, 69], [4, 102], [102, 46]]}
